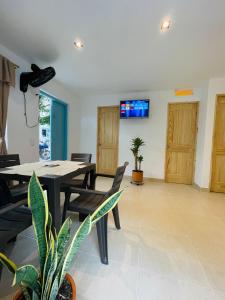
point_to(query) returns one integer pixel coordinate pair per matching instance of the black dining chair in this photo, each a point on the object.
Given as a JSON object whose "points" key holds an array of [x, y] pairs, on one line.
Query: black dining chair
{"points": [[14, 218], [76, 182], [89, 200], [12, 194], [15, 191]]}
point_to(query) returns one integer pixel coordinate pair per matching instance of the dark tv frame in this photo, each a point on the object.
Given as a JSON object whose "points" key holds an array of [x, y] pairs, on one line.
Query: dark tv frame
{"points": [[127, 118]]}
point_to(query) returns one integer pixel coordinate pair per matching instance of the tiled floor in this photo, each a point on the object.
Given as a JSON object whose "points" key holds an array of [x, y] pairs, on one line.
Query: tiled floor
{"points": [[171, 246]]}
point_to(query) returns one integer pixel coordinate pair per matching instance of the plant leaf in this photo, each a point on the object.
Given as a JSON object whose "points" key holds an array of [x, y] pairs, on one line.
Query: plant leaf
{"points": [[35, 296], [80, 235], [63, 237], [47, 266], [51, 272], [106, 206], [39, 206], [49, 227], [54, 289], [8, 263], [25, 293], [27, 276]]}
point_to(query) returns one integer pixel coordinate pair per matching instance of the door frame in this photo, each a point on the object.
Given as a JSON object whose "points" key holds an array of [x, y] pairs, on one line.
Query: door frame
{"points": [[213, 139], [65, 129], [195, 144], [98, 128]]}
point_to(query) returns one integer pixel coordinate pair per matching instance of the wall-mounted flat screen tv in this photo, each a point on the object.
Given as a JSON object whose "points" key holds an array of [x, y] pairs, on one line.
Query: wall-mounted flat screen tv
{"points": [[134, 109]]}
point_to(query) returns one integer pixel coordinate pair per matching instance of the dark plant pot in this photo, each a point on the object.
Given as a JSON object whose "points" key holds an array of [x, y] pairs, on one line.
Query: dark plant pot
{"points": [[69, 279], [137, 177]]}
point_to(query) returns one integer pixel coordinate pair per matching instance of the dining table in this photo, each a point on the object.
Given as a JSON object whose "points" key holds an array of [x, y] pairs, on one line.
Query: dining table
{"points": [[51, 175]]}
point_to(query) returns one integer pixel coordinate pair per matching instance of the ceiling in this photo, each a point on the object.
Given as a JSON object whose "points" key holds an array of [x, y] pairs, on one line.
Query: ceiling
{"points": [[124, 48]]}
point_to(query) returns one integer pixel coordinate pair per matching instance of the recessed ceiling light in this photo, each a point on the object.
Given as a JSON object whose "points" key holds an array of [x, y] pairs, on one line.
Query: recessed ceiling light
{"points": [[78, 44], [165, 25]]}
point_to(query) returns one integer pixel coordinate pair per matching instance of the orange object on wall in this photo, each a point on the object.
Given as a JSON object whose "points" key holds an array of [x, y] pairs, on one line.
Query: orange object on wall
{"points": [[183, 92]]}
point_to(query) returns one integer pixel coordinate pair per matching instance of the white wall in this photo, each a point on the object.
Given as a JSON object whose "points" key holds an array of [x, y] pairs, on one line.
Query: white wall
{"points": [[152, 130], [199, 167], [23, 140]]}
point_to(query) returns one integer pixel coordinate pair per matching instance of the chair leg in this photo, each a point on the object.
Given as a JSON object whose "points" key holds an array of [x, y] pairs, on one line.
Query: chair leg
{"points": [[66, 204], [116, 217], [102, 238], [2, 248], [13, 239], [82, 217], [0, 271]]}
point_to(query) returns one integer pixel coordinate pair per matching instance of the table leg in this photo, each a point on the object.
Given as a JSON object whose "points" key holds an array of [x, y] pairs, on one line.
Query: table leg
{"points": [[92, 178], [54, 203]]}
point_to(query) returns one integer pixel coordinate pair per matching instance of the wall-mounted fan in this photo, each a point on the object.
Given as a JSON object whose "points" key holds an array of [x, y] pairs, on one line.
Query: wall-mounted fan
{"points": [[35, 78]]}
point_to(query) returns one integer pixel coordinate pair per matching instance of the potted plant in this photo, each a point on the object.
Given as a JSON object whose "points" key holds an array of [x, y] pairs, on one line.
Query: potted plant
{"points": [[56, 251], [137, 173]]}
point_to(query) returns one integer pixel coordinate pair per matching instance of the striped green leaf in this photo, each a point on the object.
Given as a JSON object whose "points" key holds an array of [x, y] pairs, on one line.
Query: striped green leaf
{"points": [[27, 276], [106, 207], [47, 285], [80, 235], [8, 263], [39, 206], [35, 296], [49, 227], [47, 266], [54, 289], [64, 237], [26, 294]]}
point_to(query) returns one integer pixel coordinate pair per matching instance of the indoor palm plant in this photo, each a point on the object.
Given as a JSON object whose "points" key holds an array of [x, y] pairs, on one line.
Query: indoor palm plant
{"points": [[56, 251], [137, 173]]}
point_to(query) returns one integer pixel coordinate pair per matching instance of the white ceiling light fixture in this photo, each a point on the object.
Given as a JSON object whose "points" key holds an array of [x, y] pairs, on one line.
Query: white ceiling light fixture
{"points": [[78, 44], [166, 24]]}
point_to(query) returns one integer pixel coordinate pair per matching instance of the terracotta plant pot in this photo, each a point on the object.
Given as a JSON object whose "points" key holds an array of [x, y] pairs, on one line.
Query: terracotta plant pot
{"points": [[69, 278], [137, 177], [19, 294]]}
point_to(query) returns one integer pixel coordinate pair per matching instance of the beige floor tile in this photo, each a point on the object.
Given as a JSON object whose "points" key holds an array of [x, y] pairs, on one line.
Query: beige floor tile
{"points": [[156, 287], [160, 287], [219, 295], [190, 270], [216, 276]]}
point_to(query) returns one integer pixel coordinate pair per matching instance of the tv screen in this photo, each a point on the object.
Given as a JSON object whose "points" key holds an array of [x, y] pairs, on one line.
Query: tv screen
{"points": [[134, 109]]}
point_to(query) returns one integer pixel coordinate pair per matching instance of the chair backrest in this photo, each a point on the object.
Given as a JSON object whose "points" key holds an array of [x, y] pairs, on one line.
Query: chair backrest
{"points": [[118, 178], [84, 157], [9, 160]]}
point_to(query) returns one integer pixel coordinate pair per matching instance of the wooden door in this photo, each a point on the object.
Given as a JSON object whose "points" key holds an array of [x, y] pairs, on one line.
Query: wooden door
{"points": [[108, 139], [218, 154], [181, 142]]}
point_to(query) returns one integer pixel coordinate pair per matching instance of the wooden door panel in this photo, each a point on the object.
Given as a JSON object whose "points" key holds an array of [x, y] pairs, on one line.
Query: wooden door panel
{"points": [[181, 140], [220, 126], [108, 138], [108, 128], [182, 129], [218, 155], [108, 157], [179, 167]]}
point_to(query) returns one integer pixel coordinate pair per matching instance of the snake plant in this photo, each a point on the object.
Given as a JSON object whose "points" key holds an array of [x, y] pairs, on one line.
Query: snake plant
{"points": [[56, 251]]}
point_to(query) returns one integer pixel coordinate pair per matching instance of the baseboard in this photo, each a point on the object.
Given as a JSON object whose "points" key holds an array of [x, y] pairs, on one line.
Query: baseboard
{"points": [[152, 179], [148, 179], [199, 188]]}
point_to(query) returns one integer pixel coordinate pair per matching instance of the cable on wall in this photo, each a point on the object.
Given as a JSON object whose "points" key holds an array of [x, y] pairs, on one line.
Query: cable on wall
{"points": [[25, 114]]}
